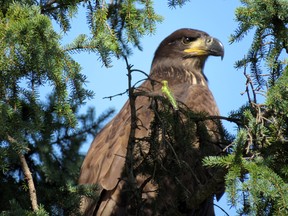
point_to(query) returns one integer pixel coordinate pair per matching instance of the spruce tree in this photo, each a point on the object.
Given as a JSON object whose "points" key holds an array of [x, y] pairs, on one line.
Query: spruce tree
{"points": [[40, 137], [257, 161]]}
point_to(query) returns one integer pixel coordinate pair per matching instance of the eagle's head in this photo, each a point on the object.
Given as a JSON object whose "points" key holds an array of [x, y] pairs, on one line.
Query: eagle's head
{"points": [[186, 48]]}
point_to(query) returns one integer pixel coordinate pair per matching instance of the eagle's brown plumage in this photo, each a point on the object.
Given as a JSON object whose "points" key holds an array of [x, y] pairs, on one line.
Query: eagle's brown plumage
{"points": [[180, 60]]}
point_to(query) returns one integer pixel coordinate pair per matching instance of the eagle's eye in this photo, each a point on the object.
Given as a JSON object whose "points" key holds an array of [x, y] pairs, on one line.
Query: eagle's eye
{"points": [[187, 40]]}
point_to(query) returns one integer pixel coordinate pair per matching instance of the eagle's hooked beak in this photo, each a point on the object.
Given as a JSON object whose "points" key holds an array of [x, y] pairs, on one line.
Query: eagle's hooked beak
{"points": [[206, 46], [215, 47]]}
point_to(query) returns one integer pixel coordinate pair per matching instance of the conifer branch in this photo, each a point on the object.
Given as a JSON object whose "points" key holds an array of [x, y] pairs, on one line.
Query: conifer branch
{"points": [[31, 186], [60, 5], [28, 177], [129, 165]]}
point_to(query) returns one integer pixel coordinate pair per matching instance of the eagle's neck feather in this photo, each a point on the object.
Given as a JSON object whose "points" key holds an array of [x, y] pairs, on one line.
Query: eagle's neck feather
{"points": [[189, 71]]}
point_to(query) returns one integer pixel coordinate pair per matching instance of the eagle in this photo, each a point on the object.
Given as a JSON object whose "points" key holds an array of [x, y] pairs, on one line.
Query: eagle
{"points": [[179, 61]]}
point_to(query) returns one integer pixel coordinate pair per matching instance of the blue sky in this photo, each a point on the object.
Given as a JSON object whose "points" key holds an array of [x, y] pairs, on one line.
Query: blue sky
{"points": [[216, 17]]}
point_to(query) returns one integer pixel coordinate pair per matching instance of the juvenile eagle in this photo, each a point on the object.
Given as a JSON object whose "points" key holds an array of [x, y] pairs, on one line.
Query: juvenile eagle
{"points": [[180, 60]]}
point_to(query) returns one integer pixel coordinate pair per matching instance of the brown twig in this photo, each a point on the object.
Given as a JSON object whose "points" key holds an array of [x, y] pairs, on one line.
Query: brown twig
{"points": [[249, 83], [139, 92], [28, 177], [221, 209]]}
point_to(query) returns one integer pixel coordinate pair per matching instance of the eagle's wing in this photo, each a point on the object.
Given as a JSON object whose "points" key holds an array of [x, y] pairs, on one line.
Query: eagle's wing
{"points": [[107, 152], [106, 156]]}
